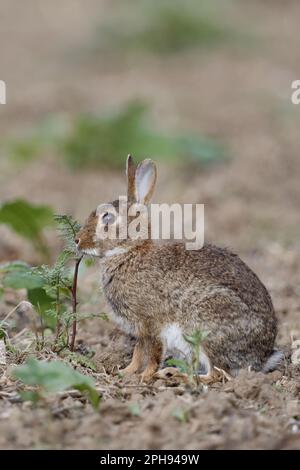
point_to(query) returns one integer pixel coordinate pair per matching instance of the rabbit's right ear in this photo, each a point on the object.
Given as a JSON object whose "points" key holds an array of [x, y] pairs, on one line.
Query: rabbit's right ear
{"points": [[145, 179], [130, 172]]}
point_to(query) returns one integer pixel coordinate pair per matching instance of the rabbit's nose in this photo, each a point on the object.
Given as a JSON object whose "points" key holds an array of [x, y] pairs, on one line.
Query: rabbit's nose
{"points": [[77, 241]]}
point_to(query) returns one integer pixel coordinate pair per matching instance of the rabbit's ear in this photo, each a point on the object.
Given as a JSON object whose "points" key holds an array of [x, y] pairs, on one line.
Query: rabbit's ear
{"points": [[130, 172], [145, 179]]}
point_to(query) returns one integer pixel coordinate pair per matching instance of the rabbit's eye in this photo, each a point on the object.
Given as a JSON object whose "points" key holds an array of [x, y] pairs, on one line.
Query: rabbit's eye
{"points": [[108, 218]]}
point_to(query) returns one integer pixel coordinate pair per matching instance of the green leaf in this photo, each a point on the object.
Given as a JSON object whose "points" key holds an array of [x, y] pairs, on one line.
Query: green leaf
{"points": [[14, 266], [28, 220], [55, 376], [19, 275], [3, 334], [180, 364], [24, 218], [22, 280], [43, 304]]}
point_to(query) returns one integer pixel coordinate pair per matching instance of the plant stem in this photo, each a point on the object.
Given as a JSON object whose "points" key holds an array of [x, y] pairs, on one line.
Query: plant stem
{"points": [[74, 303], [57, 315]]}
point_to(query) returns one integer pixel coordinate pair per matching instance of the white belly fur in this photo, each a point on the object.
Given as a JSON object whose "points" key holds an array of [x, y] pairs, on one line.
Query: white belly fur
{"points": [[174, 343], [176, 346]]}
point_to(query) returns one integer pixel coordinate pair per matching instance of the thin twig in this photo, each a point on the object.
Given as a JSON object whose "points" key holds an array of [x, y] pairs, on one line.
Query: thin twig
{"points": [[10, 313], [20, 333], [74, 303]]}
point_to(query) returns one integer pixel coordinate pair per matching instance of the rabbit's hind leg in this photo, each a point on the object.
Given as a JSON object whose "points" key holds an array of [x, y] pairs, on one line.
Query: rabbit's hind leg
{"points": [[138, 358], [155, 353]]}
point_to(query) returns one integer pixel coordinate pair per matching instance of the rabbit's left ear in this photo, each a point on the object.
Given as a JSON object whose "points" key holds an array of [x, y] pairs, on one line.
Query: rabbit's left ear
{"points": [[145, 179], [130, 172]]}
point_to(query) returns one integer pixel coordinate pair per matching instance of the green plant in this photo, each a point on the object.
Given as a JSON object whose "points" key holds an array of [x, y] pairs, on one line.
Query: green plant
{"points": [[191, 367], [3, 333], [54, 376], [28, 220], [51, 289], [68, 229], [19, 275]]}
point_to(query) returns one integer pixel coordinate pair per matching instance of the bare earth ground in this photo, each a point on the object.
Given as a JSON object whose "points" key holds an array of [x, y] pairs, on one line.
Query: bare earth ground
{"points": [[252, 206]]}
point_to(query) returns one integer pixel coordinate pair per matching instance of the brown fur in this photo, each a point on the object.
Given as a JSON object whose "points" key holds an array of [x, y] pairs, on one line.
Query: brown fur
{"points": [[154, 285]]}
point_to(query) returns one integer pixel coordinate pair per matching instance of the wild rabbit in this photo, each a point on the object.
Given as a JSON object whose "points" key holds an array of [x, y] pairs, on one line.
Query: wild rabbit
{"points": [[160, 292]]}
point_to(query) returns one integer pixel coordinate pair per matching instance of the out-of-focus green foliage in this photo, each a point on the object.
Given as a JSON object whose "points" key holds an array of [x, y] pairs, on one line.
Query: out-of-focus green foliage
{"points": [[21, 277], [55, 376], [105, 140], [28, 220], [165, 27], [93, 140]]}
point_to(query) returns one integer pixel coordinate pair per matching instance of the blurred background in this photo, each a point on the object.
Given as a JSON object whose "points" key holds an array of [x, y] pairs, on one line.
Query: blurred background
{"points": [[203, 87]]}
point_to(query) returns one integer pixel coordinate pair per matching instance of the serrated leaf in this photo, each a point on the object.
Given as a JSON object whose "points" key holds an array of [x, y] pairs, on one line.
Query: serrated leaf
{"points": [[68, 228], [196, 338]]}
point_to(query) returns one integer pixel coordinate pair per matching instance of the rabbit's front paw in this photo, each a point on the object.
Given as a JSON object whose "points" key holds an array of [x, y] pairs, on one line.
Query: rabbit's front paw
{"points": [[147, 375], [131, 369]]}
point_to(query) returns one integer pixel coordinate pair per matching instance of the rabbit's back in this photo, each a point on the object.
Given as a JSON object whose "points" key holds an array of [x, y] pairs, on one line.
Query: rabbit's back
{"points": [[211, 289]]}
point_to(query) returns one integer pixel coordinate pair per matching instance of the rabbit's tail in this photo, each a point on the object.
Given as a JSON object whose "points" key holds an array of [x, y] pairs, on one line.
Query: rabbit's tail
{"points": [[274, 361]]}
